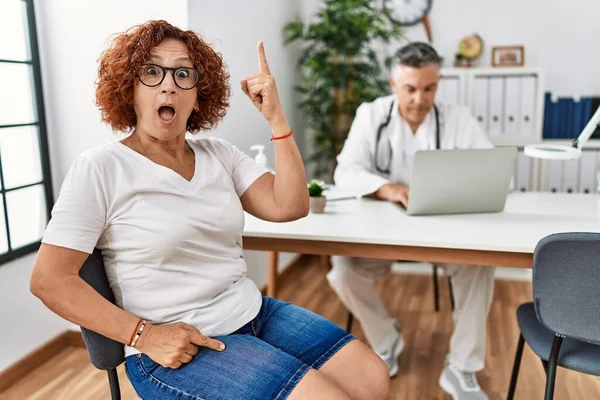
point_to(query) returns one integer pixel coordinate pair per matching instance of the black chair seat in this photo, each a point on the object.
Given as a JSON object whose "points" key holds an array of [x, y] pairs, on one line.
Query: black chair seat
{"points": [[574, 354], [105, 353]]}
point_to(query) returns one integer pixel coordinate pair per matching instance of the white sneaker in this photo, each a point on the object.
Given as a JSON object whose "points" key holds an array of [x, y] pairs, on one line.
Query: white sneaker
{"points": [[390, 356], [461, 385]]}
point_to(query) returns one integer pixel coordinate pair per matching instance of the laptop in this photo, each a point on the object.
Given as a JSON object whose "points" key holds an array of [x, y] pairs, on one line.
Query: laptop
{"points": [[461, 181]]}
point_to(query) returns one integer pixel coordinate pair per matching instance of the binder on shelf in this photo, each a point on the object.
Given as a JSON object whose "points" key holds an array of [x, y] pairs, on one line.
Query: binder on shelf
{"points": [[480, 105], [551, 118], [590, 105], [555, 122], [586, 104], [564, 123], [558, 130], [512, 105], [496, 99], [568, 116], [528, 105], [577, 121], [548, 109]]}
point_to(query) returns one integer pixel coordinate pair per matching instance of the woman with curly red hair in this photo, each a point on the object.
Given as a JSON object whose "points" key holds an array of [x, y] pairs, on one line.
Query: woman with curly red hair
{"points": [[167, 212]]}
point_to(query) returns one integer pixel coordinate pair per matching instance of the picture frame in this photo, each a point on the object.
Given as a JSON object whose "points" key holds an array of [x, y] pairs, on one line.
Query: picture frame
{"points": [[508, 56]]}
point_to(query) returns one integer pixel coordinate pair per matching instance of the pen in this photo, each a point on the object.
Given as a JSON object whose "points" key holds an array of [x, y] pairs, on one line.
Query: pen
{"points": [[344, 198]]}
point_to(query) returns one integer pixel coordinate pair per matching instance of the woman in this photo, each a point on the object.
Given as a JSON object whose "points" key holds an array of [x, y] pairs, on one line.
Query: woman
{"points": [[167, 213]]}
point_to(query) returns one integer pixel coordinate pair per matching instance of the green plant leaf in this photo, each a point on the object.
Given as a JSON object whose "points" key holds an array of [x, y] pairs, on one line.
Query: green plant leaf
{"points": [[339, 70], [293, 31], [315, 188]]}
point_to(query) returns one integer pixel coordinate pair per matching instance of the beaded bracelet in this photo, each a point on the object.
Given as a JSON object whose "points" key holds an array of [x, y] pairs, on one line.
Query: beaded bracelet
{"points": [[137, 326], [138, 333]]}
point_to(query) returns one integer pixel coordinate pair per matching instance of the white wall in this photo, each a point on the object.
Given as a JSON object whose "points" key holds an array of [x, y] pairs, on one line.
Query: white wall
{"points": [[235, 27], [559, 37], [230, 25], [26, 322], [72, 34]]}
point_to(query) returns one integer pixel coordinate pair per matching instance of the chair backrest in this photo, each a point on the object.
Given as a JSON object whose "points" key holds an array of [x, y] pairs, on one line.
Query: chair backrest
{"points": [[566, 284], [105, 353]]}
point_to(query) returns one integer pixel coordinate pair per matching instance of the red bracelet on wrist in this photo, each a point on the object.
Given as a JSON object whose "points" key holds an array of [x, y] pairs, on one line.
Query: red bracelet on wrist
{"points": [[137, 326], [283, 136], [138, 334]]}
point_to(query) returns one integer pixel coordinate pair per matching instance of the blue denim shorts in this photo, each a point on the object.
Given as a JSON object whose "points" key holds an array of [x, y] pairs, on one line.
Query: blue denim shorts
{"points": [[265, 359]]}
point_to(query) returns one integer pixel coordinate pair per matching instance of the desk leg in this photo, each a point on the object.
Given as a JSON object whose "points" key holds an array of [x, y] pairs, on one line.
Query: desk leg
{"points": [[325, 263], [272, 280]]}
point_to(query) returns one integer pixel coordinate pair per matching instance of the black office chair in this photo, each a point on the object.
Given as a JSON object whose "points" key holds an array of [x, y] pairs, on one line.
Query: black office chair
{"points": [[436, 297], [105, 354], [561, 325]]}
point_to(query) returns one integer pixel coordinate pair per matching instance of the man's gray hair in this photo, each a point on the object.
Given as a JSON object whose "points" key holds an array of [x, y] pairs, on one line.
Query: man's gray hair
{"points": [[416, 55]]}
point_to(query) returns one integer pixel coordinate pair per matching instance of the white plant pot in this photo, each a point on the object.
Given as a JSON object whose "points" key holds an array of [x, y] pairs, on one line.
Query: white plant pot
{"points": [[317, 204]]}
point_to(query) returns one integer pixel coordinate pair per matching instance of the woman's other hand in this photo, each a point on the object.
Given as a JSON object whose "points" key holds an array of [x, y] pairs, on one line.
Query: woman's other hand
{"points": [[262, 90]]}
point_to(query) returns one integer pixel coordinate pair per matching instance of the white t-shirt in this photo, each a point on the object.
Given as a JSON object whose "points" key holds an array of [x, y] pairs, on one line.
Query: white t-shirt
{"points": [[172, 248]]}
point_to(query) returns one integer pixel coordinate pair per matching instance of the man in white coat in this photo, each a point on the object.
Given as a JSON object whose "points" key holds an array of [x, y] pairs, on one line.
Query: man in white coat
{"points": [[377, 161]]}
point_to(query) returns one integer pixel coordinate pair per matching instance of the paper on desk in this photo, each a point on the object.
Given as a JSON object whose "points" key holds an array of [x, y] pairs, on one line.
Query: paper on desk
{"points": [[335, 194]]}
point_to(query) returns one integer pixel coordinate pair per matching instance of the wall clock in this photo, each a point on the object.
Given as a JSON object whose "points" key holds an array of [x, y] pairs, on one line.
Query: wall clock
{"points": [[411, 12]]}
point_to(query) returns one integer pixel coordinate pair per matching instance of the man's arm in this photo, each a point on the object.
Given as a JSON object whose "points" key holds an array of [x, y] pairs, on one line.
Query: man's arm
{"points": [[355, 170], [355, 162]]}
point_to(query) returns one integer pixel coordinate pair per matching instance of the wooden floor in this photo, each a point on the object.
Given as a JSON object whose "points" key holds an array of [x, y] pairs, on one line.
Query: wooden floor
{"points": [[409, 298]]}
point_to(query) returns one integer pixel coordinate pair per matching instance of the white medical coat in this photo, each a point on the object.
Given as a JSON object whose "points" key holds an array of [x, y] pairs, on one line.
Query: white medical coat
{"points": [[356, 169]]}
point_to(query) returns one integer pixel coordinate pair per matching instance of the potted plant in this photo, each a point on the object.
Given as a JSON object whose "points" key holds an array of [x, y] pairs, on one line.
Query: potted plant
{"points": [[317, 200], [340, 69], [460, 60]]}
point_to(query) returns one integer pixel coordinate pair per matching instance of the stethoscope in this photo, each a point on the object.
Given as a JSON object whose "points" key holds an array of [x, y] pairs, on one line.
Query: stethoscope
{"points": [[385, 123]]}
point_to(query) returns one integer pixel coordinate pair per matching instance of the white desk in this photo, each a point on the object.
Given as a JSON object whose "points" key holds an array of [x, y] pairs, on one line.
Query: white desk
{"points": [[377, 229]]}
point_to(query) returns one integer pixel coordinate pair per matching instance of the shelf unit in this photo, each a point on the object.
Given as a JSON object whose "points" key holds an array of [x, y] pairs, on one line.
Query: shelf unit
{"points": [[509, 104]]}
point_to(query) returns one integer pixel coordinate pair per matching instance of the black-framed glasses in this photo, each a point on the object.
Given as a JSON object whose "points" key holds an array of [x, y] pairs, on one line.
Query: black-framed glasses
{"points": [[152, 75]]}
